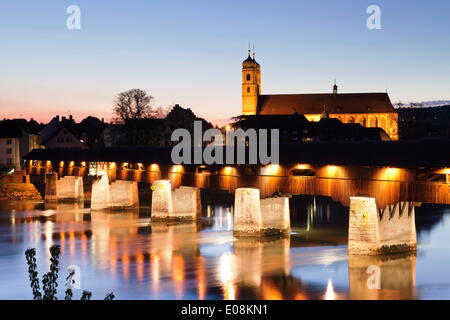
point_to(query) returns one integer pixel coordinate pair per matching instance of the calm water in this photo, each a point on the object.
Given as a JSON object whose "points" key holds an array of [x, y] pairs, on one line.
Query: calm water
{"points": [[122, 252]]}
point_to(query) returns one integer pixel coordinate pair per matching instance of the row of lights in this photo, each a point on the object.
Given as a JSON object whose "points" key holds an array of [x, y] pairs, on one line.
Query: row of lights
{"points": [[273, 168]]}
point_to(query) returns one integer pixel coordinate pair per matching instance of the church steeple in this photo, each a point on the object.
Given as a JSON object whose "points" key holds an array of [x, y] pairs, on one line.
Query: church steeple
{"points": [[251, 84]]}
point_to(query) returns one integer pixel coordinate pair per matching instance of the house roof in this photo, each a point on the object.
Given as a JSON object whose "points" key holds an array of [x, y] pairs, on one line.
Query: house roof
{"points": [[319, 102], [10, 130]]}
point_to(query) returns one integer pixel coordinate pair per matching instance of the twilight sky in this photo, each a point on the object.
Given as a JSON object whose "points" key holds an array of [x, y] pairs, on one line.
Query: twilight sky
{"points": [[190, 52]]}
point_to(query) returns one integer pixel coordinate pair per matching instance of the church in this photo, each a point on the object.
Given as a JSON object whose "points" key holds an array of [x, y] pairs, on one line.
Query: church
{"points": [[373, 110]]}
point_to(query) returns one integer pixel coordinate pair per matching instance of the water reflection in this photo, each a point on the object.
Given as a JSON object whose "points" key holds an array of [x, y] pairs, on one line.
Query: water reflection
{"points": [[125, 253], [382, 278]]}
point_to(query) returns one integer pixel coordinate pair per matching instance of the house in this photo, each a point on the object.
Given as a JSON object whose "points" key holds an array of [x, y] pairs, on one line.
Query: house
{"points": [[10, 146], [61, 134], [19, 137]]}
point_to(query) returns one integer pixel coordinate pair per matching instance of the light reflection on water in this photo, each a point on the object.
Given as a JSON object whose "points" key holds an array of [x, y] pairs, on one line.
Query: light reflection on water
{"points": [[123, 252]]}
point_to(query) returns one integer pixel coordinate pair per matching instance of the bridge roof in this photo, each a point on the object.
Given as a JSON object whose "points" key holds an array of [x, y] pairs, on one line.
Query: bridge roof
{"points": [[386, 153]]}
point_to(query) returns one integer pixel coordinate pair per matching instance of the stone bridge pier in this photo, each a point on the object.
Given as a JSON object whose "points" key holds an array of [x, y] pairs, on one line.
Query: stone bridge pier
{"points": [[181, 204], [120, 194], [260, 217], [373, 231], [65, 189]]}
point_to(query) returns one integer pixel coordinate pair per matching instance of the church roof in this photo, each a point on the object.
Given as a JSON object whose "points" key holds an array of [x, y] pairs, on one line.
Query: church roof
{"points": [[317, 103], [250, 62]]}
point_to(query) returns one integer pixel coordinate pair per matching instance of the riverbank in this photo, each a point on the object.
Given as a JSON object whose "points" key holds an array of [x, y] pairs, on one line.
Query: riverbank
{"points": [[19, 191]]}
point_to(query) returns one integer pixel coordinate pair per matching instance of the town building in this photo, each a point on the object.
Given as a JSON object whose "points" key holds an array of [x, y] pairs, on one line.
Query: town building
{"points": [[296, 128], [373, 110], [61, 134], [9, 147], [17, 138]]}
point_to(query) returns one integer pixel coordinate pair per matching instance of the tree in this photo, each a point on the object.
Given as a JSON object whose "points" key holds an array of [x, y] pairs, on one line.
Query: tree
{"points": [[161, 113], [132, 104], [49, 280]]}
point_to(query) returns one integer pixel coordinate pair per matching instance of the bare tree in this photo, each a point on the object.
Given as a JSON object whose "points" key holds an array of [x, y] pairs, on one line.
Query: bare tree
{"points": [[132, 104], [161, 113]]}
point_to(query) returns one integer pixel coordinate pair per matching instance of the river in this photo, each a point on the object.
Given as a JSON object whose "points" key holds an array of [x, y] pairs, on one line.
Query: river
{"points": [[122, 252]]}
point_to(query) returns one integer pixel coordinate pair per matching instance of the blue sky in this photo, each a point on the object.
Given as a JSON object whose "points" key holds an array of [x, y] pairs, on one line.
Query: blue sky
{"points": [[190, 52]]}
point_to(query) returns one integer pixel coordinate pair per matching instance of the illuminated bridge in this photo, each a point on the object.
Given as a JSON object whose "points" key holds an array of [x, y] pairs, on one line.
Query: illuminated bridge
{"points": [[394, 171]]}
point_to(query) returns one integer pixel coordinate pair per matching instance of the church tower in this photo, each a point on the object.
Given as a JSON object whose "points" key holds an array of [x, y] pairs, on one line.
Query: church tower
{"points": [[251, 85]]}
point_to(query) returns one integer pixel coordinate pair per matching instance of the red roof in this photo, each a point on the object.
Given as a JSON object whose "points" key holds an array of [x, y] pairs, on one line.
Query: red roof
{"points": [[316, 103]]}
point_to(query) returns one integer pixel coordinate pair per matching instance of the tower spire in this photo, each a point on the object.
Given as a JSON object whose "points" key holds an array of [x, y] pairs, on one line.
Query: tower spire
{"points": [[251, 83]]}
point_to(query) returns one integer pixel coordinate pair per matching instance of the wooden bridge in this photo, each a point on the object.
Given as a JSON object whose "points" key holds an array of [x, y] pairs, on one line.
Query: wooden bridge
{"points": [[391, 172]]}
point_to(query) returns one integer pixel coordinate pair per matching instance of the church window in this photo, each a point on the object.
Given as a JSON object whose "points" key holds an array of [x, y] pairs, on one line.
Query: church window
{"points": [[248, 77], [383, 124], [248, 89]]}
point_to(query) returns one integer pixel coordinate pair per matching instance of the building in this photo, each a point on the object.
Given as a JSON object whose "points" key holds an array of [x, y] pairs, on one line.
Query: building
{"points": [[296, 128], [152, 131], [373, 110], [417, 123], [61, 134], [9, 147], [17, 138]]}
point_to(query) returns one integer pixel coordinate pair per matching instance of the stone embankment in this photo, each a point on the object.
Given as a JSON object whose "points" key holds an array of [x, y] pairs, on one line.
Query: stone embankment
{"points": [[17, 186], [19, 191]]}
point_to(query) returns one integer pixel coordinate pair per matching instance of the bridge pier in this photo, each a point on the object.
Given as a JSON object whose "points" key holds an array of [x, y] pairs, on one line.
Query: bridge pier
{"points": [[260, 217], [275, 214], [374, 232], [123, 194], [99, 193], [70, 188], [162, 204], [186, 203], [117, 195], [182, 204], [51, 187], [65, 189]]}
